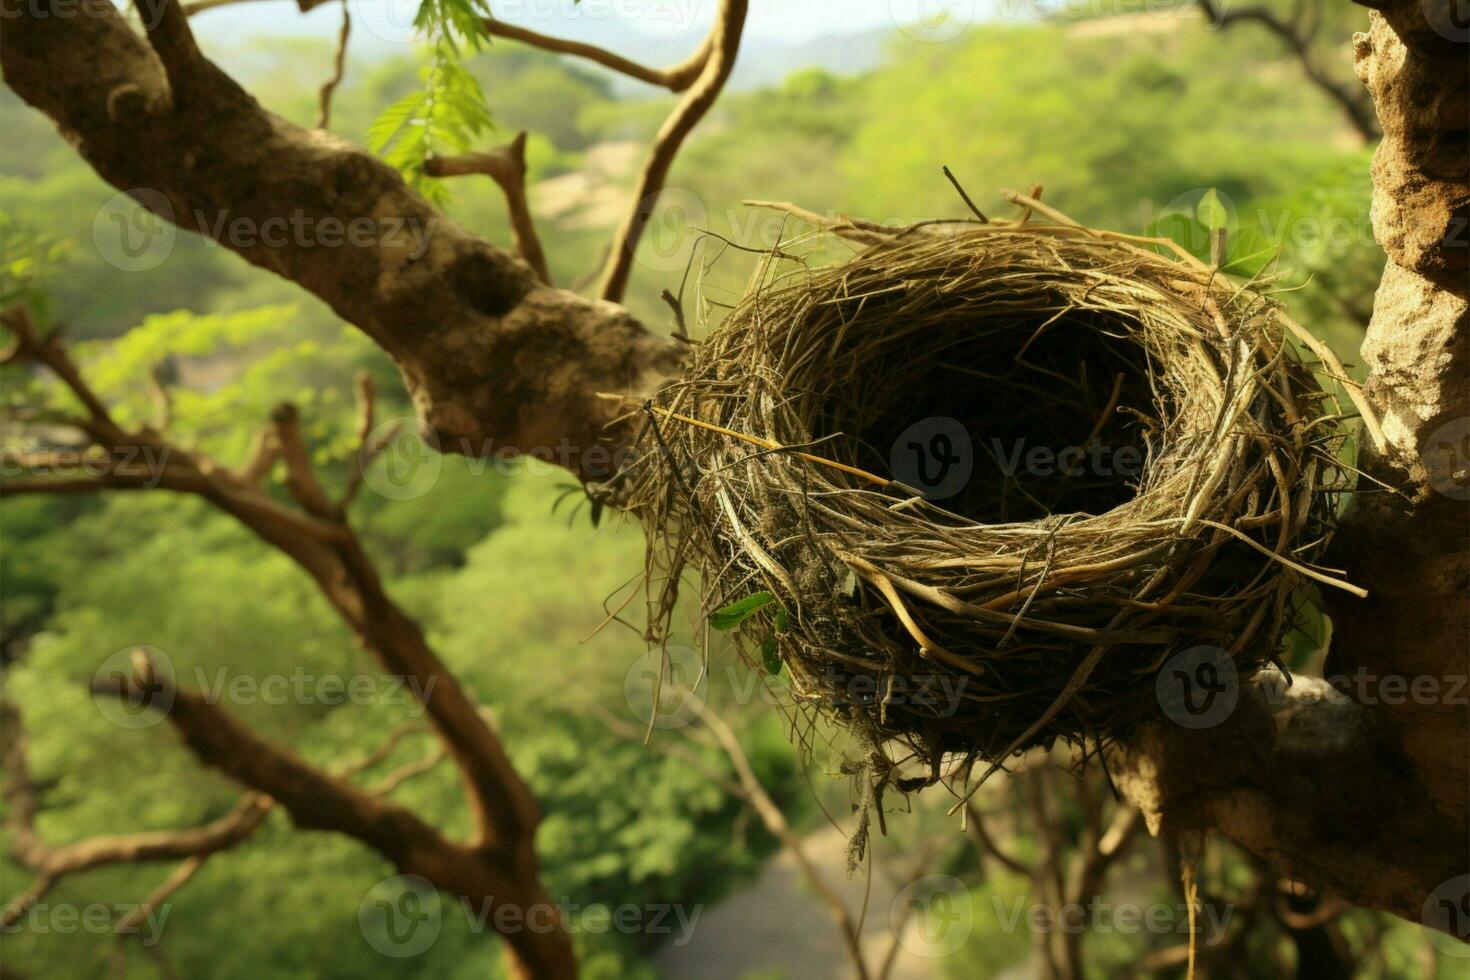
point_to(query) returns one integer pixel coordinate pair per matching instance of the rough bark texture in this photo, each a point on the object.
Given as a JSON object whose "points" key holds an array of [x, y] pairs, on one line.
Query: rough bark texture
{"points": [[491, 356], [1364, 791]]}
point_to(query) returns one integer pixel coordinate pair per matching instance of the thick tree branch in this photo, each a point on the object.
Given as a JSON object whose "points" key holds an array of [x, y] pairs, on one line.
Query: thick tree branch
{"points": [[491, 355], [1307, 779], [723, 45], [1364, 792], [506, 165]]}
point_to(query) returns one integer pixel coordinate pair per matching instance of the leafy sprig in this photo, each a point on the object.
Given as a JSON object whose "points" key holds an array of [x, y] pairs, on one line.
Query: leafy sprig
{"points": [[449, 111]]}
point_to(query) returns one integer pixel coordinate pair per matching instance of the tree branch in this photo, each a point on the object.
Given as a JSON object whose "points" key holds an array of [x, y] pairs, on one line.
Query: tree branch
{"points": [[501, 860], [1357, 108], [339, 69], [1309, 780], [506, 165], [723, 45], [675, 78], [1365, 792], [451, 310]]}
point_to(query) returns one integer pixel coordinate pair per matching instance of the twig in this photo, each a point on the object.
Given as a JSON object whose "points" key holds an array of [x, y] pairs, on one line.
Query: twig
{"points": [[506, 165], [963, 196], [723, 44], [339, 68]]}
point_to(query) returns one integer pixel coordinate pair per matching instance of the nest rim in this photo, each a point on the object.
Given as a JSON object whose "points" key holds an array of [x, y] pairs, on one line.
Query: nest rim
{"points": [[1055, 627]]}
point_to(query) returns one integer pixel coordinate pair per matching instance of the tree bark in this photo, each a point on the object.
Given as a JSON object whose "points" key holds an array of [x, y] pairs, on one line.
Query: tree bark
{"points": [[492, 357], [1363, 789]]}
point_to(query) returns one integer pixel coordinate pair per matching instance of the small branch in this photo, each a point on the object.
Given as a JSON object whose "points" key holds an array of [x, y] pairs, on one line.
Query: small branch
{"points": [[316, 800], [964, 196], [301, 481], [163, 406], [975, 824], [200, 6], [167, 26], [265, 450], [339, 68], [29, 345], [1353, 103], [675, 78], [506, 165], [51, 864], [759, 800], [723, 45], [407, 771]]}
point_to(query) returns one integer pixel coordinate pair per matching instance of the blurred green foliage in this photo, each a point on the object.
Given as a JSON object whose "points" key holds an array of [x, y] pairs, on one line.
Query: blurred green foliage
{"points": [[1131, 134]]}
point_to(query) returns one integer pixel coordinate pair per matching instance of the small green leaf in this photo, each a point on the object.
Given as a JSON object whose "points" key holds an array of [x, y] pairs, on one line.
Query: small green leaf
{"points": [[771, 656], [783, 621], [1210, 211], [738, 612]]}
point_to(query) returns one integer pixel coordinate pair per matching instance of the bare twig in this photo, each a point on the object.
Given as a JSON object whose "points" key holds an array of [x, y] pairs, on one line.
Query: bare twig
{"points": [[723, 45], [1353, 101], [506, 165], [675, 78], [339, 68]]}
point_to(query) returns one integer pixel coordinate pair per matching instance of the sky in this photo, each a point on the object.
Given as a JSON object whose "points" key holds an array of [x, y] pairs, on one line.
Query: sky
{"points": [[792, 21]]}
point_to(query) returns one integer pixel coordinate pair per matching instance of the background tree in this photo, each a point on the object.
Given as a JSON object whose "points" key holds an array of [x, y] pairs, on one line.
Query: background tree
{"points": [[155, 113]]}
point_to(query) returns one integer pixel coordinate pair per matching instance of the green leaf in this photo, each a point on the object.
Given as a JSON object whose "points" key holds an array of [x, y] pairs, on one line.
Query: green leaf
{"points": [[783, 620], [1210, 211], [738, 612], [771, 656]]}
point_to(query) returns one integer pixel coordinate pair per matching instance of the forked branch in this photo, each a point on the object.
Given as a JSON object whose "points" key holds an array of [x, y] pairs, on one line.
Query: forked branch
{"points": [[506, 165]]}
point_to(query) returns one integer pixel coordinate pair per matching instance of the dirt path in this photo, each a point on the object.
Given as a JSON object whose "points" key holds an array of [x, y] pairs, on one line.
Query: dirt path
{"points": [[776, 927]]}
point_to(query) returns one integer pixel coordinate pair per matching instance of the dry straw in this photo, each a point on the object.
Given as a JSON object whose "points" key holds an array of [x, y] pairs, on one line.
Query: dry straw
{"points": [[1049, 600]]}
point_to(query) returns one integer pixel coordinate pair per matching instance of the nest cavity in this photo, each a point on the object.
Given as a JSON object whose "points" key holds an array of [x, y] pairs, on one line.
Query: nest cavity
{"points": [[978, 484]]}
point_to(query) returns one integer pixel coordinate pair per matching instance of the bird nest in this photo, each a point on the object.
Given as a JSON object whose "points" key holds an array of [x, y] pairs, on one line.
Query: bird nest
{"points": [[977, 485]]}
